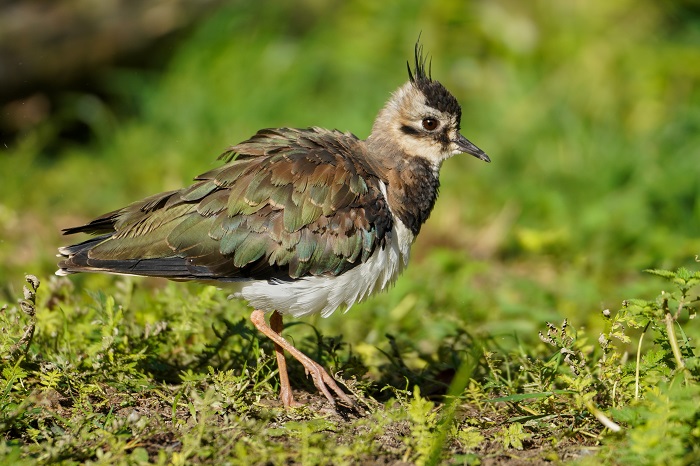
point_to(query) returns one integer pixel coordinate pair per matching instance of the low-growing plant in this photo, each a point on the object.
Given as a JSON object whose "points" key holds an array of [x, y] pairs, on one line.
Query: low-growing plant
{"points": [[592, 389], [95, 388]]}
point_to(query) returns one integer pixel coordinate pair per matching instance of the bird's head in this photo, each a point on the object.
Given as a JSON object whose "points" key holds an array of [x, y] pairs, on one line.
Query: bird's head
{"points": [[423, 119]]}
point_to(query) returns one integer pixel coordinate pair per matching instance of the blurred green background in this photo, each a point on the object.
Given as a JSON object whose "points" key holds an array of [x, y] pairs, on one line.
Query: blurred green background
{"points": [[590, 111]]}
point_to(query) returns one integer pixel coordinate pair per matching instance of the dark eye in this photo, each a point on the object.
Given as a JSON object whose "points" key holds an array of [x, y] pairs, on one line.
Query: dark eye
{"points": [[430, 124]]}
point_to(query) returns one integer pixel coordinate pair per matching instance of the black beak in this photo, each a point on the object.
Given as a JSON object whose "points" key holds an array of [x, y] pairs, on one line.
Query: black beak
{"points": [[466, 146]]}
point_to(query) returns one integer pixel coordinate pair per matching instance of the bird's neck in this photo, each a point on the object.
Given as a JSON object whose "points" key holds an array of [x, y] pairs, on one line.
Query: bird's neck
{"points": [[412, 191], [412, 182]]}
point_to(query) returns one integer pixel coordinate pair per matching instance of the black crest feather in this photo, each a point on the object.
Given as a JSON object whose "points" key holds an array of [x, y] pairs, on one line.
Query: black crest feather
{"points": [[436, 95], [419, 71]]}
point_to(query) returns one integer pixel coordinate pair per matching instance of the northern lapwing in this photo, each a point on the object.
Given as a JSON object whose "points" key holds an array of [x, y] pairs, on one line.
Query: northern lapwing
{"points": [[296, 221]]}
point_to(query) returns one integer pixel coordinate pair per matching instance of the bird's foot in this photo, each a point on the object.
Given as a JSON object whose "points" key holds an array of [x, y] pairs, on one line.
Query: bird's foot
{"points": [[322, 380]]}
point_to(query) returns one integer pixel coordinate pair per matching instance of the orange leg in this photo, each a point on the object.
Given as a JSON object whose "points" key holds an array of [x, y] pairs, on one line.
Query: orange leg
{"points": [[321, 379], [286, 394]]}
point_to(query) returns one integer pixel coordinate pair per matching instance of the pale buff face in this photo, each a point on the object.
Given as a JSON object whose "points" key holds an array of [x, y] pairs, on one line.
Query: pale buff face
{"points": [[403, 122]]}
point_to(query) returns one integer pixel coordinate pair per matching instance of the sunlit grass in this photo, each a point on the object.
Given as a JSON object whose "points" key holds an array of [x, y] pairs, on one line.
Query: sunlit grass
{"points": [[589, 112]]}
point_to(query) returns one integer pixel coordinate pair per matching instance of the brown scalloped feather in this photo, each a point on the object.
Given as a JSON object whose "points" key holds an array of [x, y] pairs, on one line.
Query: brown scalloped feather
{"points": [[287, 204]]}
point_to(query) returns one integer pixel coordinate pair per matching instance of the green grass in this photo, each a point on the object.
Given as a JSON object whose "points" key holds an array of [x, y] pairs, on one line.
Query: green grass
{"points": [[591, 115]]}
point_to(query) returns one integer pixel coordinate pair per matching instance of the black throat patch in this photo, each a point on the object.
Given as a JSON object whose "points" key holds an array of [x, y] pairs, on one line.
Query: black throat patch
{"points": [[415, 195]]}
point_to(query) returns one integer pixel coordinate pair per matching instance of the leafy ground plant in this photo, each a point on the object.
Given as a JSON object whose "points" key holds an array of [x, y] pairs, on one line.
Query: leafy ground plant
{"points": [[90, 379], [590, 112]]}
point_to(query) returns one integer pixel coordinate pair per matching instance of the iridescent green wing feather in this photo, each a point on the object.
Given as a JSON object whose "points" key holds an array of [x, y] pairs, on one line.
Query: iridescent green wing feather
{"points": [[287, 204]]}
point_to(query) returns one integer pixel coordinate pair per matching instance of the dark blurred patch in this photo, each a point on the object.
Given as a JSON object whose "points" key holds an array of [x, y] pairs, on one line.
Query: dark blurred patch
{"points": [[681, 17], [55, 56]]}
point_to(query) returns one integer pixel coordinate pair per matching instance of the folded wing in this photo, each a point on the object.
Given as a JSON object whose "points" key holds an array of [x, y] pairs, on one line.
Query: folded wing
{"points": [[287, 204]]}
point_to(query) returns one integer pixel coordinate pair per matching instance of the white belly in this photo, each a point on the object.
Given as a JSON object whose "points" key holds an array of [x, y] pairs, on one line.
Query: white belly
{"points": [[326, 294]]}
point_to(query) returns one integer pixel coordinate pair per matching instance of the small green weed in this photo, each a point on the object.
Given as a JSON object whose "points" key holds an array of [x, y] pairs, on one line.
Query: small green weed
{"points": [[95, 387], [592, 123]]}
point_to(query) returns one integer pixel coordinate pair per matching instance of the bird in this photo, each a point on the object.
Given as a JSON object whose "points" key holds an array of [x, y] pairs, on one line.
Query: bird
{"points": [[294, 221]]}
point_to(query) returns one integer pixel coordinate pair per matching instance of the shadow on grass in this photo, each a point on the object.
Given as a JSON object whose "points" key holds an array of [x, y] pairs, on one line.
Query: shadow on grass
{"points": [[237, 345]]}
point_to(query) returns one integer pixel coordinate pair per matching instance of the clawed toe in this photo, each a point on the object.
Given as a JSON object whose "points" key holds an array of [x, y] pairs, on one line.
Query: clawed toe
{"points": [[323, 382], [320, 377]]}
